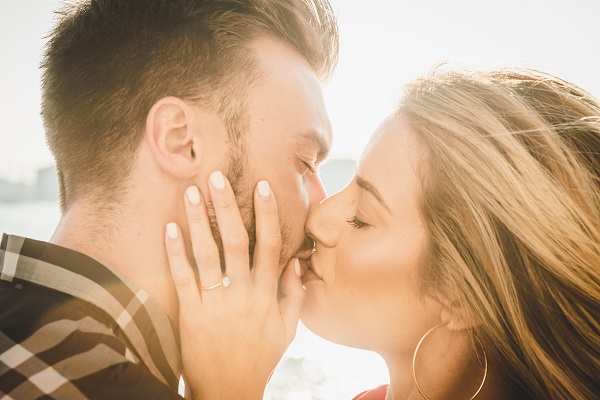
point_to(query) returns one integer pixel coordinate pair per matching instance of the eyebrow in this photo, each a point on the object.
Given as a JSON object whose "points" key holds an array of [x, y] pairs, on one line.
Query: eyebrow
{"points": [[311, 137], [371, 189]]}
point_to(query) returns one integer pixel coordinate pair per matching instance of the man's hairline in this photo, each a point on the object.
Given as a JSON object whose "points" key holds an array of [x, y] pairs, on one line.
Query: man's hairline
{"points": [[256, 78]]}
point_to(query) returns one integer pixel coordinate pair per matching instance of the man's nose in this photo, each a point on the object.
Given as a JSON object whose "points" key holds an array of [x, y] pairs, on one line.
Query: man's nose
{"points": [[317, 193]]}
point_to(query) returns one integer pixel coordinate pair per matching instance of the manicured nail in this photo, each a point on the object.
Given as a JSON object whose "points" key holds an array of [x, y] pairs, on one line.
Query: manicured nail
{"points": [[217, 180], [172, 231], [263, 189], [297, 267], [193, 195]]}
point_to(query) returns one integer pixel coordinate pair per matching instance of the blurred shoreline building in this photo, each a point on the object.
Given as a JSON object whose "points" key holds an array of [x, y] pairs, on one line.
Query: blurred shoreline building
{"points": [[47, 184], [335, 174], [45, 188]]}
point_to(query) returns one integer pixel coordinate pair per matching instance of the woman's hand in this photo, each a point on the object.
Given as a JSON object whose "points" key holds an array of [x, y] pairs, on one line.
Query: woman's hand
{"points": [[232, 335]]}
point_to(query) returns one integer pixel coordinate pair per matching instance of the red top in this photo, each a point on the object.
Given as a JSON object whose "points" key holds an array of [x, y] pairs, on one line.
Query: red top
{"points": [[374, 394]]}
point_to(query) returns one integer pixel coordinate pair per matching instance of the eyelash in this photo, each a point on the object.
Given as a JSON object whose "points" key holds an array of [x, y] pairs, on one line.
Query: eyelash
{"points": [[357, 223], [311, 167]]}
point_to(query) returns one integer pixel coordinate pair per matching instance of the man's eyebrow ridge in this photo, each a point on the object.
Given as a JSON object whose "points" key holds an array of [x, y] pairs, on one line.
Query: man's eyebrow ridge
{"points": [[312, 137], [371, 189]]}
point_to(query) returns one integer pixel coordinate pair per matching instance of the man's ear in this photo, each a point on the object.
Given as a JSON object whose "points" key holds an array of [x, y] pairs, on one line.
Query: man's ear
{"points": [[171, 134]]}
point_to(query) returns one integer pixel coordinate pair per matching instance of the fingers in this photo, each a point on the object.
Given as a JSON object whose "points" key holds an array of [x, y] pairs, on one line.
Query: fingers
{"points": [[268, 239], [181, 270], [247, 313], [204, 247], [231, 227], [234, 235], [292, 297]]}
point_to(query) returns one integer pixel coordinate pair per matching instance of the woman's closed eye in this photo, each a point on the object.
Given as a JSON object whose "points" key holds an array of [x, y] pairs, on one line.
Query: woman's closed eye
{"points": [[357, 223]]}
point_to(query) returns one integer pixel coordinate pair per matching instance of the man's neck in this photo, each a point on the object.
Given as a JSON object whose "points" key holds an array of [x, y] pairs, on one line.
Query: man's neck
{"points": [[132, 242]]}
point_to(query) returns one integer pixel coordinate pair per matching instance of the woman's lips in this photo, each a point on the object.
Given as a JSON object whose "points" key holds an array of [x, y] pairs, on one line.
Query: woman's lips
{"points": [[308, 274]]}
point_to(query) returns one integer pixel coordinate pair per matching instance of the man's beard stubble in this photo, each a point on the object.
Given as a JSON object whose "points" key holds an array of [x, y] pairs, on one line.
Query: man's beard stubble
{"points": [[238, 173]]}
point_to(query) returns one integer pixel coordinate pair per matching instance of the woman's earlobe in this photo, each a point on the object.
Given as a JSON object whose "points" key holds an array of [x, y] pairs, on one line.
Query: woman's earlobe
{"points": [[455, 318]]}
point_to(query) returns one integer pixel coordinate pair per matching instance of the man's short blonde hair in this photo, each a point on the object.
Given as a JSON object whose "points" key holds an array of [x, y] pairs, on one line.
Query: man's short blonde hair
{"points": [[108, 61]]}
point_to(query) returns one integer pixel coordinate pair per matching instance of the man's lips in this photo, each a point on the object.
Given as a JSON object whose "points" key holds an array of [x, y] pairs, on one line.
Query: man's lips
{"points": [[303, 266], [303, 258], [306, 270], [304, 255]]}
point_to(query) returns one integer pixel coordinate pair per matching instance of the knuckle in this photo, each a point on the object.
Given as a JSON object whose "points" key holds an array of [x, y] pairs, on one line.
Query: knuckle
{"points": [[206, 255], [269, 212], [175, 250], [272, 245], [270, 209], [195, 217], [224, 202], [201, 248], [236, 242], [184, 279]]}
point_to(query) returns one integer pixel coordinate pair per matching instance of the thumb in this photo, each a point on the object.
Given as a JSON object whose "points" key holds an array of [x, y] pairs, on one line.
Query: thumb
{"points": [[292, 297]]}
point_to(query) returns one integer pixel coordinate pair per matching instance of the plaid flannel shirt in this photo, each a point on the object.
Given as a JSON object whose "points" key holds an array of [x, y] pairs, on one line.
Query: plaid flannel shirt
{"points": [[73, 328]]}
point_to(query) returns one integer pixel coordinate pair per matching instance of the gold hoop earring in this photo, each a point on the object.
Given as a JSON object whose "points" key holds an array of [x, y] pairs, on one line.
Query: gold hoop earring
{"points": [[485, 371]]}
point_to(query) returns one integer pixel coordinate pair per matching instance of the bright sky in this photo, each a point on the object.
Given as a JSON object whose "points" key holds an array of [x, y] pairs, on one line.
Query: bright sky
{"points": [[384, 44]]}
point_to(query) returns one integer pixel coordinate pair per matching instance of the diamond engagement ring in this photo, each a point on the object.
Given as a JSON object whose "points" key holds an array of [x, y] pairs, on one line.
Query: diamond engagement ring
{"points": [[225, 281]]}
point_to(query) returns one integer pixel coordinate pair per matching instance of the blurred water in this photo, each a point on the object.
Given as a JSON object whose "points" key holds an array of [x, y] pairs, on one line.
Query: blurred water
{"points": [[312, 368], [36, 220]]}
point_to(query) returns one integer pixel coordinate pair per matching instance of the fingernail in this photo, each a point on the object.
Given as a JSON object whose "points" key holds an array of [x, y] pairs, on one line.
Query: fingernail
{"points": [[297, 267], [193, 195], [263, 189], [172, 231], [217, 180]]}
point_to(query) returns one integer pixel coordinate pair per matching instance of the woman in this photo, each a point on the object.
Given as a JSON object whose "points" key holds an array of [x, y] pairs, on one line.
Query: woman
{"points": [[466, 250]]}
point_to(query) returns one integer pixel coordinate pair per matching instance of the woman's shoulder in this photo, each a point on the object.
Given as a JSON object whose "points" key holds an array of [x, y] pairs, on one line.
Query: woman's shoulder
{"points": [[374, 394]]}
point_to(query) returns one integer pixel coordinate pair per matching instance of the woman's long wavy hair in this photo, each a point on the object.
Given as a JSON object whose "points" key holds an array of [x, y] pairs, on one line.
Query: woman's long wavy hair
{"points": [[512, 201]]}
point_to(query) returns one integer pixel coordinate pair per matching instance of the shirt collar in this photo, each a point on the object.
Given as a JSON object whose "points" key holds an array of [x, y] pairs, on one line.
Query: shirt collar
{"points": [[151, 333]]}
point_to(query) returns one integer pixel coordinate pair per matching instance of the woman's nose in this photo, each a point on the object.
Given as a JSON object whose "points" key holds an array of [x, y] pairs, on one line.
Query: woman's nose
{"points": [[322, 221]]}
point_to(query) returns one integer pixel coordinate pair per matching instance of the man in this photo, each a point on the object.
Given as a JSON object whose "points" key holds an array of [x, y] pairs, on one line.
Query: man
{"points": [[142, 99]]}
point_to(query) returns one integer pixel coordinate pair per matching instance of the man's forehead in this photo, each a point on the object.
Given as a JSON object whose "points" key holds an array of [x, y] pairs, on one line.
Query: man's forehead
{"points": [[289, 98]]}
